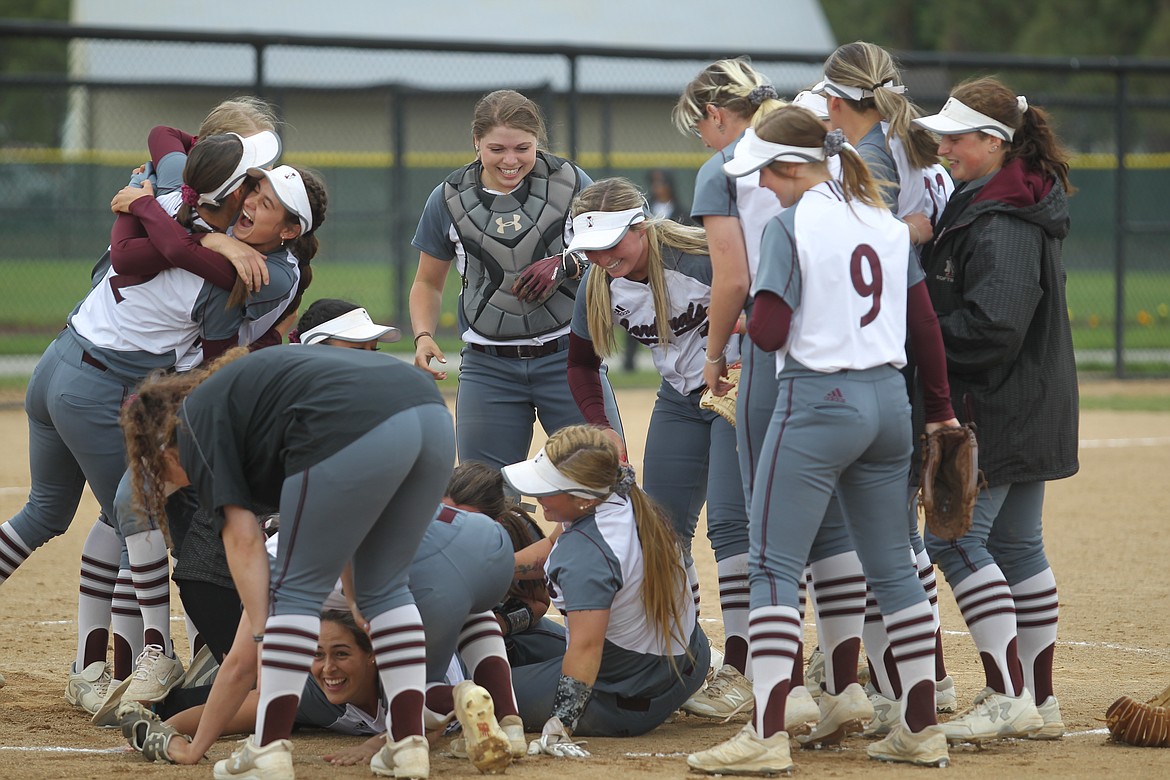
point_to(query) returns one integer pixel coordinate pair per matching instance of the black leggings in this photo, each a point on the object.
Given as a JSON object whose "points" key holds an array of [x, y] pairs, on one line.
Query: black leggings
{"points": [[215, 611]]}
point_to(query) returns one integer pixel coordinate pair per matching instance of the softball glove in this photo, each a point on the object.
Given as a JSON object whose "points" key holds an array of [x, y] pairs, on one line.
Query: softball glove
{"points": [[1143, 725], [950, 480], [723, 405]]}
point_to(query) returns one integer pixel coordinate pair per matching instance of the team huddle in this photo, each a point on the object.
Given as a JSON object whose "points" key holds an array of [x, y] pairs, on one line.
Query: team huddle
{"points": [[338, 570]]}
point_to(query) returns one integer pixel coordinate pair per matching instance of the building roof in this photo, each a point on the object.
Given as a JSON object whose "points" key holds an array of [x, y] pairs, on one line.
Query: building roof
{"points": [[789, 26]]}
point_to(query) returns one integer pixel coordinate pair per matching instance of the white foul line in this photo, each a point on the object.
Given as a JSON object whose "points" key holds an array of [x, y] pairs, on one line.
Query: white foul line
{"points": [[57, 749], [1145, 441]]}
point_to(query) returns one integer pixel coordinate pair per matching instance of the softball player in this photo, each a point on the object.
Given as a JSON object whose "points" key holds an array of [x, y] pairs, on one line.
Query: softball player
{"points": [[108, 346], [170, 146], [367, 430], [343, 694], [719, 106], [996, 278], [479, 487], [635, 651], [499, 218], [831, 302], [279, 210], [655, 282], [867, 101]]}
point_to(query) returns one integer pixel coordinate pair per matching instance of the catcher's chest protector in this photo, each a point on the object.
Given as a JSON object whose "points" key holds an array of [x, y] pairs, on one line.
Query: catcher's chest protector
{"points": [[504, 234]]}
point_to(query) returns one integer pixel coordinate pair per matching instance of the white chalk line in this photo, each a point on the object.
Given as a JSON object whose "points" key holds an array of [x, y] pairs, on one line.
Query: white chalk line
{"points": [[1067, 734], [1090, 645], [1142, 441], [59, 749]]}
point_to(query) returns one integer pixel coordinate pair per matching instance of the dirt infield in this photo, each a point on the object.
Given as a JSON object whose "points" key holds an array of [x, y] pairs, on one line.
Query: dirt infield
{"points": [[1108, 542]]}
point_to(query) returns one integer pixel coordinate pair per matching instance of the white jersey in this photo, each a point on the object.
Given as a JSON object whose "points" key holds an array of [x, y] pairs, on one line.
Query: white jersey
{"points": [[597, 564], [688, 289], [846, 284], [716, 194], [922, 190], [135, 324]]}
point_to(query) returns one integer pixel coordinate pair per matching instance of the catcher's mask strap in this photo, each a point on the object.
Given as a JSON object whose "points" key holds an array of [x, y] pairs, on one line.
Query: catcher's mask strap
{"points": [[539, 477]]}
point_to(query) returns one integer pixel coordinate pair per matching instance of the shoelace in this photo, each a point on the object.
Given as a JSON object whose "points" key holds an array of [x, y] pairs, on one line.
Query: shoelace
{"points": [[144, 664]]}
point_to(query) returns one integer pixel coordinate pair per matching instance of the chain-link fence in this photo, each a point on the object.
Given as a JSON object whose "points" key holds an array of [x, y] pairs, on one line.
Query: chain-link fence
{"points": [[385, 121]]}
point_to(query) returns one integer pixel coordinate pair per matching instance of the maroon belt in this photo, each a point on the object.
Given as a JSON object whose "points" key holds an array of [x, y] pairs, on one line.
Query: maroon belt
{"points": [[88, 358]]}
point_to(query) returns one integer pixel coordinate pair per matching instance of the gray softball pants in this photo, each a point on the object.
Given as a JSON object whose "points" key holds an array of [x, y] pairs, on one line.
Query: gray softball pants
{"points": [[690, 459], [73, 438], [370, 502], [848, 431], [1006, 530], [501, 397], [458, 571], [610, 714]]}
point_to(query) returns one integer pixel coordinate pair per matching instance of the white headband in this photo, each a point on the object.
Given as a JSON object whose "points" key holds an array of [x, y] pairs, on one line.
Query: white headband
{"points": [[956, 117], [753, 153], [540, 477], [831, 87]]}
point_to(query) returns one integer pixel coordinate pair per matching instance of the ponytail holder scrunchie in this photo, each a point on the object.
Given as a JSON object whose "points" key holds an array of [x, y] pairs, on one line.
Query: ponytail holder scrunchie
{"points": [[1022, 104], [626, 479], [294, 336], [761, 93], [189, 195], [834, 143]]}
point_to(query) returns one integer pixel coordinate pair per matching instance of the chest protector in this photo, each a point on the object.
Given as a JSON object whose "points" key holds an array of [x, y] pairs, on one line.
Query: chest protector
{"points": [[504, 234]]}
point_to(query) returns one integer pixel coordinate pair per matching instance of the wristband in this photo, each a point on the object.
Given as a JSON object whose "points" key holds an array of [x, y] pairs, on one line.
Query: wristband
{"points": [[518, 620], [257, 638], [914, 234], [717, 360], [569, 701], [420, 335], [578, 266]]}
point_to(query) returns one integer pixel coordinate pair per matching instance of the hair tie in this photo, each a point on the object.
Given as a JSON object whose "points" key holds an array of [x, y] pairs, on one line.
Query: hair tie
{"points": [[294, 336], [1022, 104], [626, 479], [189, 195], [761, 93], [889, 86], [834, 142]]}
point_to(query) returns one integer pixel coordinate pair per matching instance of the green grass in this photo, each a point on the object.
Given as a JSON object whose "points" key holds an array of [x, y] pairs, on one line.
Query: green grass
{"points": [[1127, 403], [38, 295]]}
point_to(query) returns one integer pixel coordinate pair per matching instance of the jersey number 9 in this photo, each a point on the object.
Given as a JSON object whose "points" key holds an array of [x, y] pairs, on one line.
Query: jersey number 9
{"points": [[872, 288]]}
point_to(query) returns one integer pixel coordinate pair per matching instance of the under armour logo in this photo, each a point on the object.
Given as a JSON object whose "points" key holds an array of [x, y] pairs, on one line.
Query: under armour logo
{"points": [[588, 221], [835, 396], [514, 224]]}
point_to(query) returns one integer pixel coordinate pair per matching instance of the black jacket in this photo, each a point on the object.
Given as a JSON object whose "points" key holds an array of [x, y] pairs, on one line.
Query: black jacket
{"points": [[996, 278]]}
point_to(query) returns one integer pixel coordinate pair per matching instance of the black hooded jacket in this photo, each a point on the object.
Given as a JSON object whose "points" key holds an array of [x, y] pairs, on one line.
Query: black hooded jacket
{"points": [[997, 282]]}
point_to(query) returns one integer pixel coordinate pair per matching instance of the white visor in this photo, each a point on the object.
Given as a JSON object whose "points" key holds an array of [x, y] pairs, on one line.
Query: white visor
{"points": [[602, 229], [260, 151], [539, 477], [813, 102], [290, 190], [354, 326], [956, 118], [829, 87], [753, 153]]}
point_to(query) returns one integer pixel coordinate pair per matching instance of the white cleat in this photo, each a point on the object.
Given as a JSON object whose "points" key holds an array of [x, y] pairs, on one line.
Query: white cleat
{"points": [[728, 694], [745, 754], [945, 699], [1053, 727], [842, 714], [89, 687], [995, 716], [409, 757], [155, 676], [800, 711], [925, 748]]}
